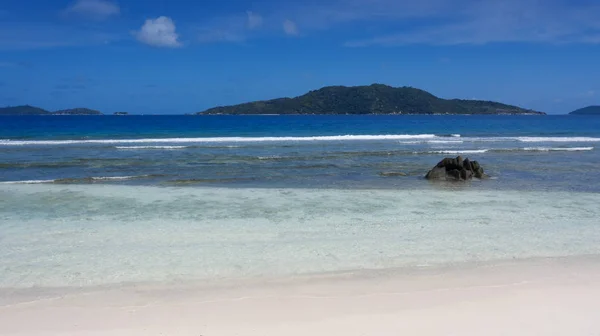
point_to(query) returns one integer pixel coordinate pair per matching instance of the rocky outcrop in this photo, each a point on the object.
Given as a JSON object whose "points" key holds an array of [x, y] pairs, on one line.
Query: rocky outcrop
{"points": [[457, 169]]}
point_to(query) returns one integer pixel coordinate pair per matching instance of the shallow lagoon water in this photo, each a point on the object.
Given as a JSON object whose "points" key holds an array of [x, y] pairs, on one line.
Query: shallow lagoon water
{"points": [[87, 235]]}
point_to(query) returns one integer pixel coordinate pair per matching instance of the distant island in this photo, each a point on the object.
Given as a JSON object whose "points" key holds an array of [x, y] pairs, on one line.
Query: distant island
{"points": [[32, 110], [590, 110], [372, 99], [78, 111], [23, 110]]}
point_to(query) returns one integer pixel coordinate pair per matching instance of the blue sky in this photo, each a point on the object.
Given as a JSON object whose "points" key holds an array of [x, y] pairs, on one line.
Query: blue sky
{"points": [[168, 56]]}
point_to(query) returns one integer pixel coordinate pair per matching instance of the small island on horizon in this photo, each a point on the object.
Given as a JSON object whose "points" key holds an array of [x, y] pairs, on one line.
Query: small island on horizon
{"points": [[590, 110], [32, 110], [372, 99]]}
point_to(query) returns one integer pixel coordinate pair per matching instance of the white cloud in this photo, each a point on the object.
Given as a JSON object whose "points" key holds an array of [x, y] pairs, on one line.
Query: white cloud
{"points": [[94, 9], [254, 20], [290, 28], [159, 32]]}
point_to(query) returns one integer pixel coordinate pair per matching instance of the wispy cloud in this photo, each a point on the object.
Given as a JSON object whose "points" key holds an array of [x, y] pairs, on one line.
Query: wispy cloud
{"points": [[160, 32], [290, 27], [237, 28], [19, 64], [31, 35], [433, 22], [254, 20], [93, 9], [208, 35], [481, 22], [589, 93], [331, 14]]}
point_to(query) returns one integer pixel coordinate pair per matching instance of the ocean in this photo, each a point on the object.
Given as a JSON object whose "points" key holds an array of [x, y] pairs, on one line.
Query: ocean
{"points": [[109, 200]]}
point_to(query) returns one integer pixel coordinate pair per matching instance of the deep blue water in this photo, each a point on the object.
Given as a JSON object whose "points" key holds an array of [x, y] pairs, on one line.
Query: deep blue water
{"points": [[123, 127], [520, 152]]}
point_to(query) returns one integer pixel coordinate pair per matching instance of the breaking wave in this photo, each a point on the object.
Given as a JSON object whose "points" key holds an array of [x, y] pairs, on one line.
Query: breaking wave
{"points": [[151, 147], [219, 139], [504, 150], [80, 180], [557, 139], [558, 149], [464, 151]]}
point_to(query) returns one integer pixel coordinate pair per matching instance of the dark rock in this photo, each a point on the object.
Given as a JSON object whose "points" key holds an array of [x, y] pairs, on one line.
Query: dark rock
{"points": [[467, 165], [459, 161], [446, 162], [454, 173], [466, 174], [436, 173], [458, 169]]}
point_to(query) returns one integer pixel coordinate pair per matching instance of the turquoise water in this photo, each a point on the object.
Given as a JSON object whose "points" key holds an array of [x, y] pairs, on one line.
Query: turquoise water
{"points": [[87, 235], [88, 201]]}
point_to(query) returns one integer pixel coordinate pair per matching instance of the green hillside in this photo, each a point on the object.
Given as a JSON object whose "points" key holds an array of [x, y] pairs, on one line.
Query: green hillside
{"points": [[373, 99]]}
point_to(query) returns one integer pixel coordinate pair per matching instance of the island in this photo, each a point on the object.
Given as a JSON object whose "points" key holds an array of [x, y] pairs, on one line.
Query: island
{"points": [[23, 110], [32, 110], [372, 99], [590, 110], [78, 111]]}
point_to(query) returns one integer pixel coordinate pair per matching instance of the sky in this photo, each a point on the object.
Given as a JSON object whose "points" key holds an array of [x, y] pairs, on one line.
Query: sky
{"points": [[175, 57]]}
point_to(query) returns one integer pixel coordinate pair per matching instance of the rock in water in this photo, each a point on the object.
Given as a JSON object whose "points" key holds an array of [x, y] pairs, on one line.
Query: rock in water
{"points": [[457, 169], [436, 173]]}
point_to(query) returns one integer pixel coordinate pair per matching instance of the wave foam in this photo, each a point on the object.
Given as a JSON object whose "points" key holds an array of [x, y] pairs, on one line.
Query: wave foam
{"points": [[464, 151], [151, 147], [557, 139], [116, 178], [78, 180], [445, 141], [220, 139], [558, 149], [404, 138], [27, 182]]}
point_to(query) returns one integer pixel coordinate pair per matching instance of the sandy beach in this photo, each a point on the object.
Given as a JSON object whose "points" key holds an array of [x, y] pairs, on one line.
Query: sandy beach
{"points": [[552, 296]]}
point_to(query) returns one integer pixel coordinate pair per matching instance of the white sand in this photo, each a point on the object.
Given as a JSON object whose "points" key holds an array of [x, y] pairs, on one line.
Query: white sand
{"points": [[531, 297]]}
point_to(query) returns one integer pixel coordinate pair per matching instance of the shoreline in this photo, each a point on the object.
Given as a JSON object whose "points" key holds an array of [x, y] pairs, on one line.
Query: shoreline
{"points": [[518, 297]]}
